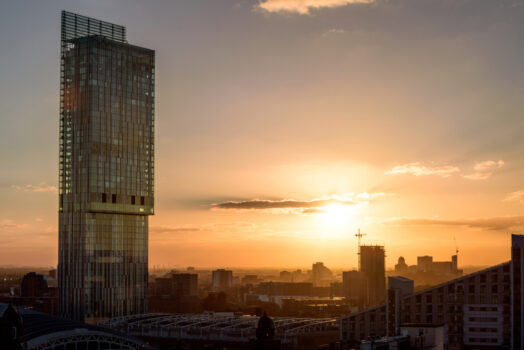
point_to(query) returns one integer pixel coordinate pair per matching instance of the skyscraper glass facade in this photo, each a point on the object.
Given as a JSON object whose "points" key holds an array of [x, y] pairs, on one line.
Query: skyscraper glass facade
{"points": [[106, 184]]}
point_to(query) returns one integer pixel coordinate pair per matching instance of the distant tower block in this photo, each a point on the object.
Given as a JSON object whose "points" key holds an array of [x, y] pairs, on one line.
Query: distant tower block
{"points": [[373, 266]]}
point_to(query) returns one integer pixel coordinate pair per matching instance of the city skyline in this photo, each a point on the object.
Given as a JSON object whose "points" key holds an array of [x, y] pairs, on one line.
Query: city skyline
{"points": [[278, 141]]}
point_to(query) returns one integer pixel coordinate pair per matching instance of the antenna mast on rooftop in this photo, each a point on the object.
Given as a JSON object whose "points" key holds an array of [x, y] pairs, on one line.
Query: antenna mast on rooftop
{"points": [[359, 236]]}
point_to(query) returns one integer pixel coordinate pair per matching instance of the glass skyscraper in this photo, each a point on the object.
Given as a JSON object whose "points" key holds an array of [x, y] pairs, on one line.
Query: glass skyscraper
{"points": [[106, 166]]}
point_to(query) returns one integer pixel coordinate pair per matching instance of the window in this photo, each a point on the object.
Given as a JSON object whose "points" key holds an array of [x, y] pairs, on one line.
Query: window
{"points": [[142, 200], [133, 200], [113, 198], [104, 198]]}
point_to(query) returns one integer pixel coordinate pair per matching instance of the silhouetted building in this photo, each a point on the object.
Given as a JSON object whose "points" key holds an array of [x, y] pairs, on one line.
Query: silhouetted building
{"points": [[401, 266], [427, 264], [250, 279], [404, 285], [285, 288], [265, 328], [320, 273], [33, 285], [222, 280], [398, 287], [517, 291], [177, 285], [354, 286], [185, 284], [106, 169], [482, 310], [11, 328], [265, 334], [177, 292], [293, 276], [373, 267]]}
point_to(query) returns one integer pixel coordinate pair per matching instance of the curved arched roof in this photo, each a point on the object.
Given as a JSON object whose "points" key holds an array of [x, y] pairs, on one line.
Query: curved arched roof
{"points": [[210, 326], [42, 330]]}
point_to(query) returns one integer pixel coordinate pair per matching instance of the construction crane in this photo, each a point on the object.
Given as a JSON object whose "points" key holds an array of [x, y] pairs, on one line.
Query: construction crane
{"points": [[456, 247], [359, 236]]}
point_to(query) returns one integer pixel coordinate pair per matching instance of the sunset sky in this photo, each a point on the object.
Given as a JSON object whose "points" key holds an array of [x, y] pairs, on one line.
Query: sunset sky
{"points": [[283, 126]]}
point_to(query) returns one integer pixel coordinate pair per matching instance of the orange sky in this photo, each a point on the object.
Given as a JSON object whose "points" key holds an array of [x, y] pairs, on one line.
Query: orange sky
{"points": [[284, 126]]}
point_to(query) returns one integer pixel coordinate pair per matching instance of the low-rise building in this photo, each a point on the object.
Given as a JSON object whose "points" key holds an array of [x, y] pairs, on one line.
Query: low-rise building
{"points": [[482, 310], [222, 280]]}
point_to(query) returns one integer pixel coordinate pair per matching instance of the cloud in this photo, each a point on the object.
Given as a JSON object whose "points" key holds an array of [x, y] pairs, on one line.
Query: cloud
{"points": [[260, 204], [484, 170], [517, 196], [303, 7], [488, 165], [10, 224], [332, 31], [493, 223], [368, 196], [478, 176], [300, 206], [7, 224], [167, 229], [313, 211], [42, 187], [235, 225], [418, 169]]}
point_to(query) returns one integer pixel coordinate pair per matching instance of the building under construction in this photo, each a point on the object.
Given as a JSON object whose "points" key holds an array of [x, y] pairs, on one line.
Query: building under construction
{"points": [[373, 269], [367, 286]]}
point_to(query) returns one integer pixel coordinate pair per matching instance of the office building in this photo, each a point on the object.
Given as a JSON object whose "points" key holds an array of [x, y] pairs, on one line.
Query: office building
{"points": [[426, 264], [222, 280], [177, 292], [106, 168], [354, 287], [185, 284], [177, 285], [320, 273], [34, 285], [482, 310]]}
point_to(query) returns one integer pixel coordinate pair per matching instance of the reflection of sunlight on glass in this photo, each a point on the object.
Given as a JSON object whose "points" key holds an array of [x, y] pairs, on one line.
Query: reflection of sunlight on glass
{"points": [[336, 220]]}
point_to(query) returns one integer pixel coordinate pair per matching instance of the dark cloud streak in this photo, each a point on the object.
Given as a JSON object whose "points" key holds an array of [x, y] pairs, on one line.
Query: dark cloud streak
{"points": [[258, 204], [493, 223]]}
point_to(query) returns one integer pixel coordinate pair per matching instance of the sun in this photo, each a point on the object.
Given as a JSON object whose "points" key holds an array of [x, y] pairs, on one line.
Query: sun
{"points": [[336, 219]]}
